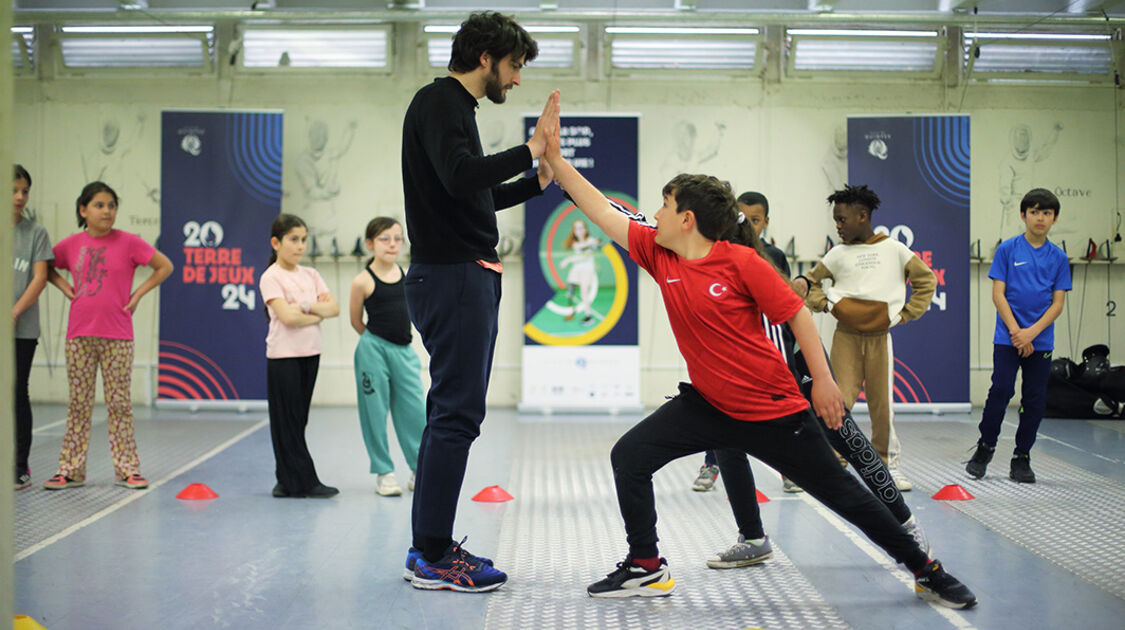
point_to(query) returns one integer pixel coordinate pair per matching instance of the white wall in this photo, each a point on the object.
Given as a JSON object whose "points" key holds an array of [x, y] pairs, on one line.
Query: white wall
{"points": [[775, 138], [7, 524]]}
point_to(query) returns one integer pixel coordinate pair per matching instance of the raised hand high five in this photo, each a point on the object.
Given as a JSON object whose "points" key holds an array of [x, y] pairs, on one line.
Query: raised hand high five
{"points": [[548, 121]]}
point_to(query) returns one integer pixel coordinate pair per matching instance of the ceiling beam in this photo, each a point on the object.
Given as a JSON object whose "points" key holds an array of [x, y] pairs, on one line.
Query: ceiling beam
{"points": [[678, 18]]}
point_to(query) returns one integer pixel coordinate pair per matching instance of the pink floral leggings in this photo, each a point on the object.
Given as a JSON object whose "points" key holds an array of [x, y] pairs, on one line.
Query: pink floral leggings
{"points": [[115, 356]]}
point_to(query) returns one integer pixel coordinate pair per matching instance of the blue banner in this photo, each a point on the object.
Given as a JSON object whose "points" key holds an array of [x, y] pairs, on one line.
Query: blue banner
{"points": [[580, 289], [919, 167], [220, 192]]}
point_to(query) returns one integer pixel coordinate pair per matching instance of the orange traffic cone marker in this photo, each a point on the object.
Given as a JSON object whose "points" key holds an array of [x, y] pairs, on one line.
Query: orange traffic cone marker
{"points": [[493, 494], [953, 492], [197, 492], [761, 497]]}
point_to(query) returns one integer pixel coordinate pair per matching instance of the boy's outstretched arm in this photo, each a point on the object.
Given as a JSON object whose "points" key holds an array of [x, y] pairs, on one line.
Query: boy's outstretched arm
{"points": [[589, 199]]}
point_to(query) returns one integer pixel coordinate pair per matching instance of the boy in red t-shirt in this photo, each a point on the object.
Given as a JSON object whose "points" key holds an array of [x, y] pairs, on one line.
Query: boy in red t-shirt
{"points": [[716, 286]]}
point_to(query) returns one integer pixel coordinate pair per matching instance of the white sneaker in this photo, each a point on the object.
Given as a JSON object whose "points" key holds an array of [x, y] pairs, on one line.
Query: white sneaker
{"points": [[387, 486], [410, 484], [901, 482]]}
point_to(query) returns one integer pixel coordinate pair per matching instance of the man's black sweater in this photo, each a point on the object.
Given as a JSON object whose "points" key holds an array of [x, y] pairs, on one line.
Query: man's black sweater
{"points": [[452, 191]]}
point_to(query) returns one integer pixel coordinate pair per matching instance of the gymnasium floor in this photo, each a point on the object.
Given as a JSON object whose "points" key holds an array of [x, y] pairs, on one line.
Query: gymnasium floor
{"points": [[1038, 556]]}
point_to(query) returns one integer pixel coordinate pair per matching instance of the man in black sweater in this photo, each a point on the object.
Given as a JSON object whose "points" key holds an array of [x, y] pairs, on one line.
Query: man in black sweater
{"points": [[452, 192]]}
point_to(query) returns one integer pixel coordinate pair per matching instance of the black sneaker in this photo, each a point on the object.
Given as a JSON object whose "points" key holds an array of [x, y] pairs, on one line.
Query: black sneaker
{"points": [[933, 584], [321, 491], [23, 480], [630, 580], [978, 463], [1021, 469], [280, 492]]}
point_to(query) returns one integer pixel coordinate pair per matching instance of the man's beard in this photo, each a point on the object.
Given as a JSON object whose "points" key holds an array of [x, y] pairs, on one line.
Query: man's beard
{"points": [[492, 87]]}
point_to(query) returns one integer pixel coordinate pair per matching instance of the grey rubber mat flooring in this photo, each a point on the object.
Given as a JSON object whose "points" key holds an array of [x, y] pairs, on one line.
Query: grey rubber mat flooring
{"points": [[1062, 517], [164, 446], [565, 532]]}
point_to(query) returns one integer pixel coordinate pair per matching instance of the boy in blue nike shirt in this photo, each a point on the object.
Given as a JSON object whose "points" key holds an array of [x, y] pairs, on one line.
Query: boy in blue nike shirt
{"points": [[1030, 278]]}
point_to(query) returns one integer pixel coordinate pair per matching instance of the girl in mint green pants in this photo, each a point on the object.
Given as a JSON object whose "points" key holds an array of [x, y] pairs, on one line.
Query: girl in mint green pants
{"points": [[386, 367]]}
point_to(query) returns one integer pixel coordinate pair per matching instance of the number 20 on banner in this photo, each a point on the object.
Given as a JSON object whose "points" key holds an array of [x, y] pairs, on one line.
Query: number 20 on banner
{"points": [[207, 262]]}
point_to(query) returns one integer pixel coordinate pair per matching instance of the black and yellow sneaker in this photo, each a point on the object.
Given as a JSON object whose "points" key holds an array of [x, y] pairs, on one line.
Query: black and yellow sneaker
{"points": [[630, 580], [933, 584]]}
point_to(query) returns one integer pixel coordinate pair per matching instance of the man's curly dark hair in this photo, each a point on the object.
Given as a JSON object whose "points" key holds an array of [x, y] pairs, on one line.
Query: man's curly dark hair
{"points": [[493, 33]]}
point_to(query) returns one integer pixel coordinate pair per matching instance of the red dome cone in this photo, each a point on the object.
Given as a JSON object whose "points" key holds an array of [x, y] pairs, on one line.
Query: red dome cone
{"points": [[953, 492], [761, 497], [493, 494], [197, 492]]}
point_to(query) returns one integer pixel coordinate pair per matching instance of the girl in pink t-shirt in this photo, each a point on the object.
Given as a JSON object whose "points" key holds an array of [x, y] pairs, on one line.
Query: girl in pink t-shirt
{"points": [[296, 300], [102, 262]]}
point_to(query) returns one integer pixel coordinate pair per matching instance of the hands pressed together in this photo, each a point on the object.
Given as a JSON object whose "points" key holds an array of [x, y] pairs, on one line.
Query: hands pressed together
{"points": [[544, 142]]}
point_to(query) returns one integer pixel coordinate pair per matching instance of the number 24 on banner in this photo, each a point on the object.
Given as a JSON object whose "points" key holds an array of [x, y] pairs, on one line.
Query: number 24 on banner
{"points": [[234, 295]]}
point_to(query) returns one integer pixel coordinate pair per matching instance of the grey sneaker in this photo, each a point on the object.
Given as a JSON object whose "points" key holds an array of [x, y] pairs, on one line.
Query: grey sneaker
{"points": [[741, 554], [706, 479], [915, 530], [788, 485]]}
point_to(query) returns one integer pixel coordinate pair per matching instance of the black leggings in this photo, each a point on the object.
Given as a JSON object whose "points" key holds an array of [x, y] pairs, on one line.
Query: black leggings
{"points": [[25, 353], [793, 445], [849, 441]]}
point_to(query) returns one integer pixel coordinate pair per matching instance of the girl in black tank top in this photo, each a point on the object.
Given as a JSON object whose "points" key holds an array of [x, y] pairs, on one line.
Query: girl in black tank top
{"points": [[378, 290], [387, 369]]}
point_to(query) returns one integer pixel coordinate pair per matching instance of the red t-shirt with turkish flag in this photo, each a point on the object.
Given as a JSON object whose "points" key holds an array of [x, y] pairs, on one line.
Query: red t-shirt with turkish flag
{"points": [[715, 305]]}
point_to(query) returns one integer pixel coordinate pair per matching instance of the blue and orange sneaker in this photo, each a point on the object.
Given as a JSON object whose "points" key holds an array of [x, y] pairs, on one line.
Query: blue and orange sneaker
{"points": [[412, 556], [458, 570]]}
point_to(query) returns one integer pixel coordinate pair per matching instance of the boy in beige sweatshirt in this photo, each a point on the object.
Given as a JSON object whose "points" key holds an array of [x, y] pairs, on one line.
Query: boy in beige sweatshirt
{"points": [[867, 297]]}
